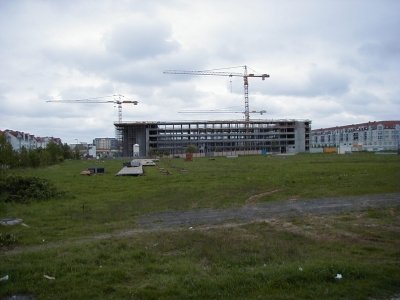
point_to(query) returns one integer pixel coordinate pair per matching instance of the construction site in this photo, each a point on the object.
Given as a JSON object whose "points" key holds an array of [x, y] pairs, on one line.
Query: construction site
{"points": [[207, 137], [216, 137]]}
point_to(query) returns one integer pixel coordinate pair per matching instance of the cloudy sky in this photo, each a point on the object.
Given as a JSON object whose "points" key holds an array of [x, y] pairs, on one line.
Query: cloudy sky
{"points": [[335, 62]]}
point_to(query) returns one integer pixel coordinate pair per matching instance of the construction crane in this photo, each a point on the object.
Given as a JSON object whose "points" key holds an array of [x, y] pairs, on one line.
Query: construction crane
{"points": [[117, 99], [216, 72]]}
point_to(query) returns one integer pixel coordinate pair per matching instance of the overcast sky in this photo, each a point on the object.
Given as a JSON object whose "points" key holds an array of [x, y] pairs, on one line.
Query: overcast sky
{"points": [[334, 62]]}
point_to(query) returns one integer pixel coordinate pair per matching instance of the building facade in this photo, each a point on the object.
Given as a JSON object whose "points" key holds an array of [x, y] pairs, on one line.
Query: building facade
{"points": [[19, 140], [216, 137], [106, 147], [106, 143], [371, 136]]}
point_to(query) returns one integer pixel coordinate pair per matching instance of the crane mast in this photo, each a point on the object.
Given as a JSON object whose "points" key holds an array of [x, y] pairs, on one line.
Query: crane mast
{"points": [[117, 99], [245, 76], [246, 95]]}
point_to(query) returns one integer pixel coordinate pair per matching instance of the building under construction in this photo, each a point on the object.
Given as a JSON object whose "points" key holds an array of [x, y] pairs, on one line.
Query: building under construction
{"points": [[214, 138]]}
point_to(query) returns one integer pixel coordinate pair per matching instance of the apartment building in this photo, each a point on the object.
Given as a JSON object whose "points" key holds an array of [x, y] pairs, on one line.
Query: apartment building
{"points": [[106, 147], [19, 140], [371, 136]]}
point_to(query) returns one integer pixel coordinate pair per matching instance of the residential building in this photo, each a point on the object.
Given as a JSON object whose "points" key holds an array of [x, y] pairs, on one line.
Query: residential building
{"points": [[106, 147], [106, 143], [371, 136], [19, 140]]}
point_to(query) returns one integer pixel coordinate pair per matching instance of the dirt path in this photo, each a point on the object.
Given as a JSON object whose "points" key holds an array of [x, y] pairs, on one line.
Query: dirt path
{"points": [[263, 211], [230, 217]]}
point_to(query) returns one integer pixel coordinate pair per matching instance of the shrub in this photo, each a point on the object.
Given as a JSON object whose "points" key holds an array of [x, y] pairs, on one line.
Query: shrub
{"points": [[25, 189], [7, 239]]}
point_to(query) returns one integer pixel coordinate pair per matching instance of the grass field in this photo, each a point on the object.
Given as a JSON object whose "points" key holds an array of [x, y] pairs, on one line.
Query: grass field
{"points": [[292, 258]]}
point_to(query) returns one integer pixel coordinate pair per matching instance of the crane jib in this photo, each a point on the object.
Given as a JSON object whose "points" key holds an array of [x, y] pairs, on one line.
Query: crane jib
{"points": [[228, 74]]}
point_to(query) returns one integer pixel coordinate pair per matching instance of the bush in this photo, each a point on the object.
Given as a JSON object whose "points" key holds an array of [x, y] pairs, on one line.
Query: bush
{"points": [[25, 189], [191, 149], [7, 239]]}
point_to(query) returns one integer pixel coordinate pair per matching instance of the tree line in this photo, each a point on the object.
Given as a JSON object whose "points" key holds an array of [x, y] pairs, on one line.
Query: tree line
{"points": [[54, 153]]}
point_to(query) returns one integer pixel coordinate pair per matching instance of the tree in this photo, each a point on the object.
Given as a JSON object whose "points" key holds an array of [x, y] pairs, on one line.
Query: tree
{"points": [[67, 152], [23, 158], [52, 154], [34, 158], [55, 152], [44, 158], [191, 149], [77, 153], [7, 155]]}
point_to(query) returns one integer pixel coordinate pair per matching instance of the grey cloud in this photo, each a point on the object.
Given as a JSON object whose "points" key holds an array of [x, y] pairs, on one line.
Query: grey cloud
{"points": [[324, 82], [381, 50], [378, 55], [107, 65], [149, 72], [86, 60], [137, 41], [319, 82]]}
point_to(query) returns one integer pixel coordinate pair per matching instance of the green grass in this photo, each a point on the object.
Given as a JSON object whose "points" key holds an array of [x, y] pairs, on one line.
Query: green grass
{"points": [[108, 203], [256, 261]]}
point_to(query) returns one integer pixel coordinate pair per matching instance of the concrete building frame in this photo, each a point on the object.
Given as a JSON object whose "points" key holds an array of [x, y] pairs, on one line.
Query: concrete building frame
{"points": [[213, 138]]}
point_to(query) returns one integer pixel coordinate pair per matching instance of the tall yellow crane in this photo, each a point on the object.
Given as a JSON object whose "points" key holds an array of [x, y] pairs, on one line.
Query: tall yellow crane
{"points": [[216, 72], [116, 99]]}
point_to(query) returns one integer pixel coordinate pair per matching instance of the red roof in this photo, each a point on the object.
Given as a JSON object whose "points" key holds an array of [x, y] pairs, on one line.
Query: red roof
{"points": [[17, 134], [386, 125]]}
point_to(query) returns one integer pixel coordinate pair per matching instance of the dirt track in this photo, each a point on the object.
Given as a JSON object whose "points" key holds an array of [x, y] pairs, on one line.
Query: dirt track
{"points": [[217, 218], [263, 211]]}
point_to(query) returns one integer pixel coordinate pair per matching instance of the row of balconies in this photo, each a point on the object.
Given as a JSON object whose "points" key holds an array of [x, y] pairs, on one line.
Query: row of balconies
{"points": [[224, 142], [325, 139], [222, 137], [206, 132], [221, 145]]}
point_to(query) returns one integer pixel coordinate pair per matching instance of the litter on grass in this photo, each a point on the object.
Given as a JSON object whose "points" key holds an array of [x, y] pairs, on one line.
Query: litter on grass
{"points": [[19, 297], [49, 277], [10, 221], [4, 278], [338, 276]]}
